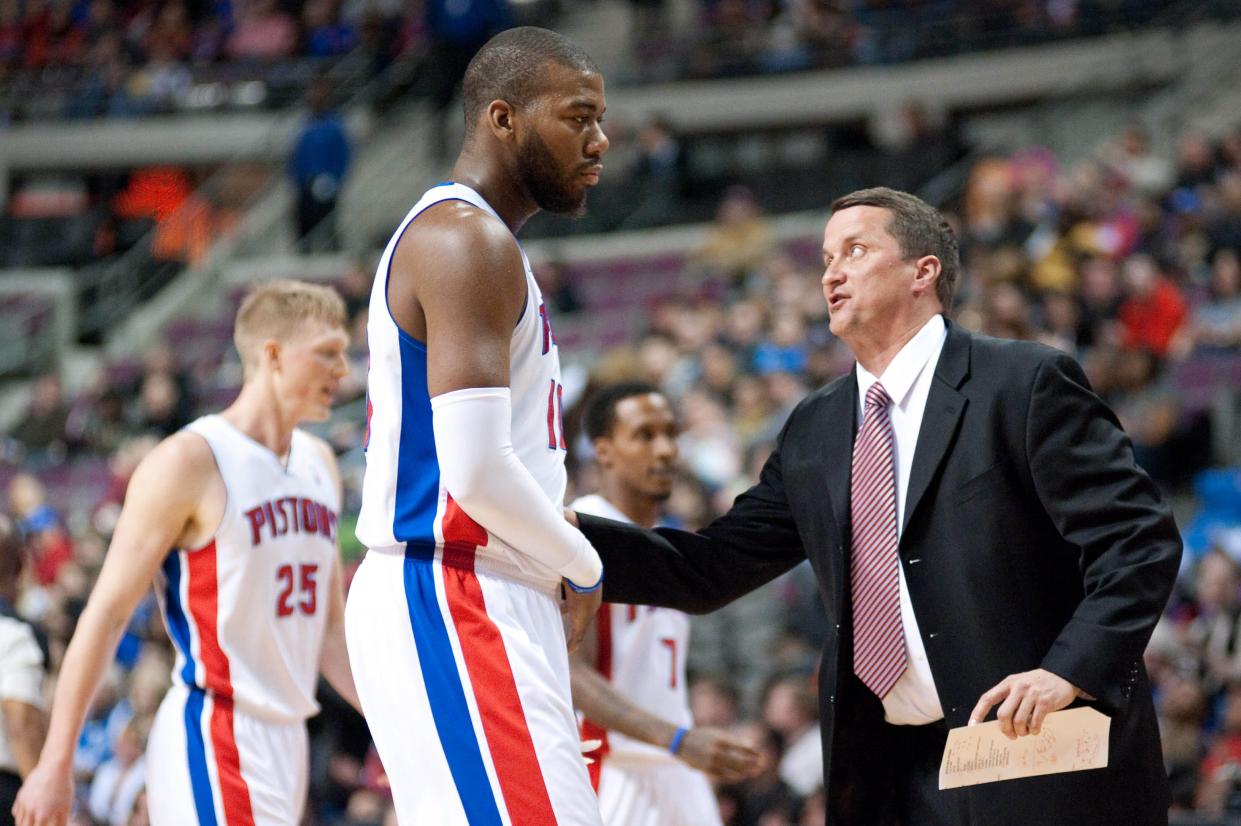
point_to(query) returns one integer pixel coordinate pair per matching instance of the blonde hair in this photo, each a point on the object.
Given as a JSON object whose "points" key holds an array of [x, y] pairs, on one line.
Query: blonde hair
{"points": [[278, 309]]}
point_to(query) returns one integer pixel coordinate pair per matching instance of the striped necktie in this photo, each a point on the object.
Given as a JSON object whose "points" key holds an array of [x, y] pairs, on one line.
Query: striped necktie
{"points": [[878, 634]]}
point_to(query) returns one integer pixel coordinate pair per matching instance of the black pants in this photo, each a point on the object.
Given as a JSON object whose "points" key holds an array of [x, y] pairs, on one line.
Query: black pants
{"points": [[9, 784], [918, 751]]}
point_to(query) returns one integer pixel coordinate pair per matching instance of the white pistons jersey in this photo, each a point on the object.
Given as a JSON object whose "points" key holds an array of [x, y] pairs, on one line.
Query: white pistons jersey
{"points": [[404, 502], [641, 651], [247, 611]]}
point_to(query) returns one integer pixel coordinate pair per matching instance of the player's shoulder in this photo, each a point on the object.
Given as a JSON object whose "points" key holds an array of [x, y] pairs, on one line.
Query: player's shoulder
{"points": [[184, 460], [457, 237]]}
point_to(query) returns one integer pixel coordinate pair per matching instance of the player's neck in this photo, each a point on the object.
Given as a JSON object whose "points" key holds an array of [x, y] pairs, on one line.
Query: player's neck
{"points": [[642, 510], [499, 186], [258, 414]]}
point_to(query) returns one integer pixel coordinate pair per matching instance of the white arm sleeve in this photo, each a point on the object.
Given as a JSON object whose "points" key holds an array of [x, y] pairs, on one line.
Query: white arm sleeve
{"points": [[474, 443]]}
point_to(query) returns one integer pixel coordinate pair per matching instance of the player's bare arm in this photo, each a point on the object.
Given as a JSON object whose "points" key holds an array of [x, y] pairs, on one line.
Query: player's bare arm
{"points": [[334, 657], [458, 285], [711, 750], [175, 499], [459, 280]]}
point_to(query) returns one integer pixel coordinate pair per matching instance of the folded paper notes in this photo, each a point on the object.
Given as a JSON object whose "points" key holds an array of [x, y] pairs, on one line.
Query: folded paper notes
{"points": [[1071, 740]]}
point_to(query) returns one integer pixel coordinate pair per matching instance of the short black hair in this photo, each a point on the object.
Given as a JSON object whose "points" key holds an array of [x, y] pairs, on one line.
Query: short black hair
{"points": [[919, 228], [510, 67], [599, 417]]}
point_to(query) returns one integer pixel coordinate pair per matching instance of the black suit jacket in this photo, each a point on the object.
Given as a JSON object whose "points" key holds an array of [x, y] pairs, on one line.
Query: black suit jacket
{"points": [[1031, 539]]}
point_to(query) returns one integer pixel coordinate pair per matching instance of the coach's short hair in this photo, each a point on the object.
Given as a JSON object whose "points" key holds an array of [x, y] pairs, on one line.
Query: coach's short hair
{"points": [[512, 66], [277, 309], [599, 417], [918, 227]]}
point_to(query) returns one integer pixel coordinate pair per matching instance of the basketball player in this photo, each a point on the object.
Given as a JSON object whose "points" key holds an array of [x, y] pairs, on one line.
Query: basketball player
{"points": [[453, 621], [629, 676], [250, 590]]}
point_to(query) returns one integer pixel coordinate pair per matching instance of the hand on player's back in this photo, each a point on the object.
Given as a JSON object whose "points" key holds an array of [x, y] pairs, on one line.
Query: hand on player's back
{"points": [[579, 611], [720, 753]]}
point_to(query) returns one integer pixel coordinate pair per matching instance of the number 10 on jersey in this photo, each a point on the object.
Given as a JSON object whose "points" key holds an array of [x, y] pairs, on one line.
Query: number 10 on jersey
{"points": [[555, 416]]}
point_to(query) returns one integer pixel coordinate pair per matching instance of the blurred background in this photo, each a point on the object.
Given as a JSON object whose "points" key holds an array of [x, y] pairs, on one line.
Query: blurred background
{"points": [[159, 156]]}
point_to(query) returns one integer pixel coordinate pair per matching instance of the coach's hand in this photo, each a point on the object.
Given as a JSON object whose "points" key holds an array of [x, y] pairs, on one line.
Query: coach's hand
{"points": [[579, 611], [1025, 699], [46, 798], [721, 754]]}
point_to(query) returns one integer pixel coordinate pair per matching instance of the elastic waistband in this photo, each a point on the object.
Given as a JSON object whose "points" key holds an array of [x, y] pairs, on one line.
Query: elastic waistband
{"points": [[469, 558]]}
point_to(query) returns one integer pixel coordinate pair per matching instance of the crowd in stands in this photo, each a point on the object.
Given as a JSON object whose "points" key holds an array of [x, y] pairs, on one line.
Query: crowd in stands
{"points": [[1128, 259], [745, 37]]}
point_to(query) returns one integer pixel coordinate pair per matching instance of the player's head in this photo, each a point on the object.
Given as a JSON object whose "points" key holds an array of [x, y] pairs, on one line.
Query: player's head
{"points": [[293, 334], [540, 95], [634, 432], [884, 249]]}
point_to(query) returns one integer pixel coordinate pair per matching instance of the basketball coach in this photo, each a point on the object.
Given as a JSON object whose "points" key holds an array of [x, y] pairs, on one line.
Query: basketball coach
{"points": [[982, 538]]}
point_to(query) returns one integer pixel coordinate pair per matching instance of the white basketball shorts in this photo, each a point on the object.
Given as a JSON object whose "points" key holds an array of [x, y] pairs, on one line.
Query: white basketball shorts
{"points": [[464, 680], [211, 764]]}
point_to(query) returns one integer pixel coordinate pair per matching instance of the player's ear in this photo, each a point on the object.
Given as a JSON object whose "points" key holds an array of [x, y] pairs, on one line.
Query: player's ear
{"points": [[500, 119], [603, 452], [270, 353]]}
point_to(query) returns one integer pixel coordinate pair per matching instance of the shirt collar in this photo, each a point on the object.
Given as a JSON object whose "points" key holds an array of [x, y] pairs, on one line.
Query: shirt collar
{"points": [[904, 370]]}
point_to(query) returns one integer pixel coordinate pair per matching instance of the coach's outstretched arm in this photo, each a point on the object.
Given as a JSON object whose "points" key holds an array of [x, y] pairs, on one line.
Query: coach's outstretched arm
{"points": [[472, 297], [160, 509], [753, 543]]}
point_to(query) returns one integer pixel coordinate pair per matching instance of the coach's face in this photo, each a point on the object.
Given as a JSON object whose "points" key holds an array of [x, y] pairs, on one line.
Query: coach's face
{"points": [[867, 281], [559, 153]]}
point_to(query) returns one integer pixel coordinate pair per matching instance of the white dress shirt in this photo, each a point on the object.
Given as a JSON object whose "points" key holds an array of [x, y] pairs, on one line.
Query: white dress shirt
{"points": [[913, 700]]}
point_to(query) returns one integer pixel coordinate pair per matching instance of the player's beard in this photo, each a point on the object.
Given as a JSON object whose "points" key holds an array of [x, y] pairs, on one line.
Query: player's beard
{"points": [[551, 190]]}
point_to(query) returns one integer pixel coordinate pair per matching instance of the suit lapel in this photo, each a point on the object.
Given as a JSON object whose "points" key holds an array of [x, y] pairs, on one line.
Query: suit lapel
{"points": [[942, 417], [839, 427]]}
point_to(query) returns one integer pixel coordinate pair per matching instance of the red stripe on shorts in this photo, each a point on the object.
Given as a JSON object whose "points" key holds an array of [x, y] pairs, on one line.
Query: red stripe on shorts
{"points": [[204, 599], [495, 692]]}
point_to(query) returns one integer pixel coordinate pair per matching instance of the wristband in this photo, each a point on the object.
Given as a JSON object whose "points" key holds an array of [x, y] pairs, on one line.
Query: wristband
{"points": [[578, 589], [675, 745]]}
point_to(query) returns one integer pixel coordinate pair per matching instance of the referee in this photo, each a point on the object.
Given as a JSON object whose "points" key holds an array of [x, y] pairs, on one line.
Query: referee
{"points": [[23, 664]]}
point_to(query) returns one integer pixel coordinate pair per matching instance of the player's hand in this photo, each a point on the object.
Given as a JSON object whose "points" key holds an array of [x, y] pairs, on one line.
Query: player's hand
{"points": [[720, 753], [46, 798], [1025, 699], [570, 516], [579, 612]]}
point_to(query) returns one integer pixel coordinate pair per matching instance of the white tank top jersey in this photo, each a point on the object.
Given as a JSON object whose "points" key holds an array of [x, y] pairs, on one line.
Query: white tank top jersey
{"points": [[247, 611], [641, 651], [404, 501]]}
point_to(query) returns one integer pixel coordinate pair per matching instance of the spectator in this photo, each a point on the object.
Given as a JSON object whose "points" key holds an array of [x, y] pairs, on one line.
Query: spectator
{"points": [[43, 428], [791, 709], [318, 165], [44, 530], [740, 238], [264, 32], [1217, 321], [326, 34], [655, 176], [120, 779], [1153, 311]]}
